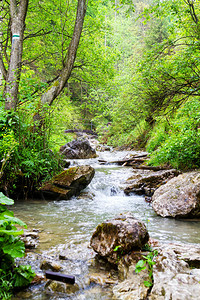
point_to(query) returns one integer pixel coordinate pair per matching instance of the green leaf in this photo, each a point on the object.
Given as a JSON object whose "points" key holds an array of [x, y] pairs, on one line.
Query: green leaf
{"points": [[13, 232], [148, 283], [7, 213], [5, 200], [14, 220], [140, 266], [23, 275], [140, 263], [117, 248], [14, 249]]}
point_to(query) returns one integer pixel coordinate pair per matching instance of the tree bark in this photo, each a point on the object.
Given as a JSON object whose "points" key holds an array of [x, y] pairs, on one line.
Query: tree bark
{"points": [[57, 87], [18, 15], [3, 71]]}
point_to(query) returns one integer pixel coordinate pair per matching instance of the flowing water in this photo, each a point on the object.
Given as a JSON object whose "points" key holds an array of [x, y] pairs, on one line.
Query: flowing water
{"points": [[68, 225]]}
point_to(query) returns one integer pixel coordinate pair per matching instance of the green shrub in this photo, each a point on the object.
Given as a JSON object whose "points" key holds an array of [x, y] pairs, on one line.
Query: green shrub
{"points": [[157, 135], [63, 115], [181, 148], [24, 151], [135, 137], [11, 247]]}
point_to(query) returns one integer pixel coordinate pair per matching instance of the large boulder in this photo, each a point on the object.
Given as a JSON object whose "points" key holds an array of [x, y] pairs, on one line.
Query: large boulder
{"points": [[145, 182], [68, 183], [114, 238], [78, 149], [179, 197], [173, 277]]}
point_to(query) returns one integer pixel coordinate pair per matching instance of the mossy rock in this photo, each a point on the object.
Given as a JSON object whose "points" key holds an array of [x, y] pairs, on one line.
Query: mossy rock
{"points": [[68, 183]]}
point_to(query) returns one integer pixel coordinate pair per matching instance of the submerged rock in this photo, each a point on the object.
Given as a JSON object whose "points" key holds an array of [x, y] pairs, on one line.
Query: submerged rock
{"points": [[114, 238], [50, 265], [179, 197], [78, 149], [61, 287], [68, 183], [30, 238]]}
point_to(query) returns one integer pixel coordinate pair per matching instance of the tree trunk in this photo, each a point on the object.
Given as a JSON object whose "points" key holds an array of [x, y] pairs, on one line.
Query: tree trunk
{"points": [[2, 66], [57, 87], [18, 15], [18, 12]]}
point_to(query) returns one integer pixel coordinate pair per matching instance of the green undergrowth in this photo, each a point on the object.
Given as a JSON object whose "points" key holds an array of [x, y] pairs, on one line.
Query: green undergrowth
{"points": [[172, 140], [178, 143], [63, 115], [12, 276], [136, 137], [25, 156]]}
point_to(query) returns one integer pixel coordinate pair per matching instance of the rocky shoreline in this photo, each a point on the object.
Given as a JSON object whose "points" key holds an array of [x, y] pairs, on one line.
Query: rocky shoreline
{"points": [[176, 272]]}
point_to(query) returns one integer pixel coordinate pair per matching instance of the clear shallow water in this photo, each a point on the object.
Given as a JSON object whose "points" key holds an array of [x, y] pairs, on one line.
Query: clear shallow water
{"points": [[72, 222]]}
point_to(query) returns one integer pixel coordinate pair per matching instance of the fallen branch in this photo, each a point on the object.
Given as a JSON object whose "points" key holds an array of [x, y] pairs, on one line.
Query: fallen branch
{"points": [[134, 159]]}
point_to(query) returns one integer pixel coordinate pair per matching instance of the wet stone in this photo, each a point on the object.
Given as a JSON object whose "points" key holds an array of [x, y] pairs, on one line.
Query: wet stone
{"points": [[115, 238], [101, 279], [78, 149], [50, 265], [61, 287], [179, 197], [30, 239]]}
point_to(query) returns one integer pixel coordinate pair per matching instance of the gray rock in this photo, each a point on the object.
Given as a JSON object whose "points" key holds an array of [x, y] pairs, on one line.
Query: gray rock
{"points": [[78, 149], [173, 278], [145, 182], [114, 238], [68, 183], [131, 285], [30, 239], [132, 289], [179, 197]]}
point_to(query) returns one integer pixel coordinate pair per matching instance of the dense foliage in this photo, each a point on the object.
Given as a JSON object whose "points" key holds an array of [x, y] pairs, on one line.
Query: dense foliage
{"points": [[155, 104], [25, 156], [136, 68]]}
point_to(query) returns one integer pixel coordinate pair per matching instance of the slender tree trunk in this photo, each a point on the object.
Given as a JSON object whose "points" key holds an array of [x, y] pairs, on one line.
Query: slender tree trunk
{"points": [[57, 87], [2, 67], [115, 10], [18, 16]]}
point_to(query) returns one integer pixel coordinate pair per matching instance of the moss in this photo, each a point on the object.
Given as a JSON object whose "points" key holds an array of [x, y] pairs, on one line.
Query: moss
{"points": [[65, 177], [163, 291], [56, 83]]}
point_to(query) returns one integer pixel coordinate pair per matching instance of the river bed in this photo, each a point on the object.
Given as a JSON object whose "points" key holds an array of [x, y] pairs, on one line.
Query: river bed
{"points": [[70, 224]]}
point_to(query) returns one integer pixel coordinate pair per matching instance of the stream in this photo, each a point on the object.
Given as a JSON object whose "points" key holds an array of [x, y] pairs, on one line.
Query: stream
{"points": [[67, 226]]}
